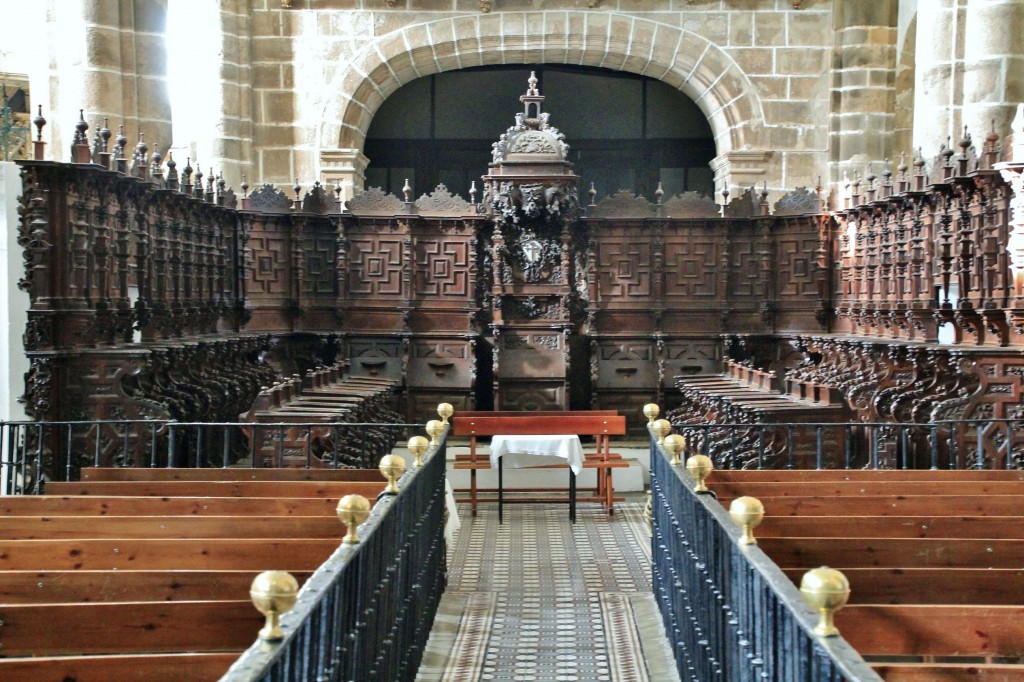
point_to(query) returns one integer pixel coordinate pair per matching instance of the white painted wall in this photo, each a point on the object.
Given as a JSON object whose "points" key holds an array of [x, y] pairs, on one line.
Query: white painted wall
{"points": [[13, 301]]}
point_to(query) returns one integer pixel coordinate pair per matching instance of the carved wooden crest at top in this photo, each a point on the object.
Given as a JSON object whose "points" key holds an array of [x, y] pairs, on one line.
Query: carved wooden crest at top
{"points": [[745, 205], [316, 200], [442, 202], [532, 142], [622, 204], [229, 199], [800, 201], [375, 201], [691, 205], [267, 199]]}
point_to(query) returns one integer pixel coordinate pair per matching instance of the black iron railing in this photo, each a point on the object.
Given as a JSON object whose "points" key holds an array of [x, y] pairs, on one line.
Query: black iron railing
{"points": [[33, 452], [959, 444], [730, 613], [366, 613]]}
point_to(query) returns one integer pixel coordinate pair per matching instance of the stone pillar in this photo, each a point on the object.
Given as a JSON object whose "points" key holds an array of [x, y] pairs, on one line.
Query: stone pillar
{"points": [[741, 170], [938, 82], [124, 76], [863, 84], [228, 143], [993, 65], [347, 166], [906, 56]]}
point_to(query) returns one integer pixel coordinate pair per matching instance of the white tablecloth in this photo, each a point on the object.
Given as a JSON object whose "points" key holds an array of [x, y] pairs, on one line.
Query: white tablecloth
{"points": [[532, 451], [452, 524]]}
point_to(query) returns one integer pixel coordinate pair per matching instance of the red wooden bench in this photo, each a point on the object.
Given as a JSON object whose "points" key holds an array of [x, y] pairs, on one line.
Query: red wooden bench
{"points": [[600, 425]]}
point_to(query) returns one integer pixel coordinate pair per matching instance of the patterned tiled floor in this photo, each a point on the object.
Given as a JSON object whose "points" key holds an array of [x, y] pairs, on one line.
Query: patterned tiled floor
{"points": [[540, 599]]}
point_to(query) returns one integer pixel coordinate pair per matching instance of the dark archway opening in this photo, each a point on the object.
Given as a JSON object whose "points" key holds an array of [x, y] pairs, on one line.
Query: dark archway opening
{"points": [[625, 131]]}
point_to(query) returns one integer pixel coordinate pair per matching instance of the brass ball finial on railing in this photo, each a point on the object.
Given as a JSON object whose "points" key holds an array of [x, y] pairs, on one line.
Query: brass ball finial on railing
{"points": [[674, 445], [445, 411], [651, 411], [417, 447], [825, 590], [353, 510], [700, 467], [661, 428], [434, 429], [392, 467], [747, 512], [273, 594]]}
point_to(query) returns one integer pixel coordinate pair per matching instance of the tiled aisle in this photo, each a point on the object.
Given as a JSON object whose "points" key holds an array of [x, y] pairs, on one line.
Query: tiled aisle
{"points": [[540, 599]]}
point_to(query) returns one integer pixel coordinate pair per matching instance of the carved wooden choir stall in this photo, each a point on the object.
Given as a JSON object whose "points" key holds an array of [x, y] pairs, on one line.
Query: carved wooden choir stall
{"points": [[161, 293]]}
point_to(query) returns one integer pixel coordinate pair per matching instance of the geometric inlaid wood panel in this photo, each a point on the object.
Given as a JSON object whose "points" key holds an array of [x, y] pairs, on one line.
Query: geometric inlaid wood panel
{"points": [[624, 268], [691, 267], [375, 266], [443, 268]]}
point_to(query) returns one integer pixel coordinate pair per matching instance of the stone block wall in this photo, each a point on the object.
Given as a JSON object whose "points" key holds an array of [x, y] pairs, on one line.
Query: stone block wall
{"points": [[124, 77], [793, 90], [758, 70]]}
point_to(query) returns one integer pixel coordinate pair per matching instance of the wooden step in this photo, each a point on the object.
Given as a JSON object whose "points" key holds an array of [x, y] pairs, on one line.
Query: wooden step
{"points": [[68, 587], [166, 554], [207, 667]]}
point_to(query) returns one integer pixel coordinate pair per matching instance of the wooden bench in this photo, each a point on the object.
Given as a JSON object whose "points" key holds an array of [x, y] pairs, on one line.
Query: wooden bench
{"points": [[144, 580], [324, 395], [600, 425], [148, 667], [935, 561], [746, 395]]}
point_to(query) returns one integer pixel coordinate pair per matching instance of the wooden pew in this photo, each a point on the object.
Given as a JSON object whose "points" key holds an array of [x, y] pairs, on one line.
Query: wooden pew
{"points": [[965, 478], [175, 527], [227, 474], [138, 627], [103, 587], [149, 667], [889, 505], [335, 489], [869, 488], [949, 672], [286, 554], [84, 586], [935, 561], [126, 505], [747, 395], [888, 526], [601, 426], [324, 395], [930, 585]]}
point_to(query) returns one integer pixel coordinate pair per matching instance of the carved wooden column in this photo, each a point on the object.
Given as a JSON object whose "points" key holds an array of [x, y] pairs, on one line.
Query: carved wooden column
{"points": [[533, 203]]}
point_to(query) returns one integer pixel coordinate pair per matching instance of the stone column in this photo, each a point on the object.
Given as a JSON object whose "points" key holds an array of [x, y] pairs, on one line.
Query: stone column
{"points": [[226, 139], [345, 166], [993, 65], [938, 81], [125, 71], [863, 84]]}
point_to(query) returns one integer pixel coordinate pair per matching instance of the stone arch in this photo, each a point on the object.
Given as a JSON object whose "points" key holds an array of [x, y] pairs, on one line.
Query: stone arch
{"points": [[681, 58]]}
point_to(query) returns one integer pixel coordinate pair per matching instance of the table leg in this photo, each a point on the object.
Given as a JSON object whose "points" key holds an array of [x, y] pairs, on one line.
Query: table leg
{"points": [[572, 496], [472, 474], [501, 489], [472, 490], [609, 492]]}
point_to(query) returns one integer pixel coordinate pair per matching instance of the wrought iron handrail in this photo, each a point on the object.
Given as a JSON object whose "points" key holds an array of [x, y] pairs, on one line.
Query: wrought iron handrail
{"points": [[365, 614], [729, 612], [945, 444], [33, 452]]}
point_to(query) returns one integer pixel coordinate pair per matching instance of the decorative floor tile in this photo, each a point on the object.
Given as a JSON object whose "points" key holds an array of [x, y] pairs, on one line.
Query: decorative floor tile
{"points": [[540, 599]]}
